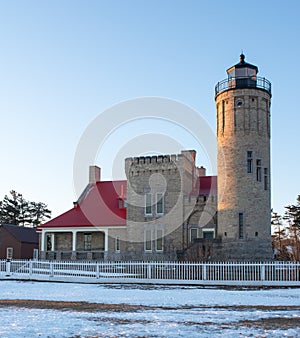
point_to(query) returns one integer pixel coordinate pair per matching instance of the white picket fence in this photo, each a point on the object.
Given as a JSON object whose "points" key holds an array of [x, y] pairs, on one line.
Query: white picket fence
{"points": [[208, 273]]}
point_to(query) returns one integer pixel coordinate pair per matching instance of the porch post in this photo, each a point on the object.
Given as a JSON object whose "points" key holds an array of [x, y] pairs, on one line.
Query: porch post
{"points": [[74, 240], [105, 240], [43, 235], [43, 248], [53, 242]]}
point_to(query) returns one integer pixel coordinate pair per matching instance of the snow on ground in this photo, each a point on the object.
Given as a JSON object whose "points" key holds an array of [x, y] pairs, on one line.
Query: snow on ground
{"points": [[147, 295], [201, 323], [175, 311]]}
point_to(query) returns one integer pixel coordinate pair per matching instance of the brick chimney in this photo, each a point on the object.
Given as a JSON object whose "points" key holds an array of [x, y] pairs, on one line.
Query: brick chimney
{"points": [[201, 171], [94, 174]]}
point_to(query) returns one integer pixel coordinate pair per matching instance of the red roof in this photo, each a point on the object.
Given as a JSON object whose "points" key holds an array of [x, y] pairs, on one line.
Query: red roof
{"points": [[208, 185], [98, 206]]}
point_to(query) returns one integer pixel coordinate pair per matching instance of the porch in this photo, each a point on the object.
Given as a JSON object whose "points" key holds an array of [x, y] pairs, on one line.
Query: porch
{"points": [[73, 244]]}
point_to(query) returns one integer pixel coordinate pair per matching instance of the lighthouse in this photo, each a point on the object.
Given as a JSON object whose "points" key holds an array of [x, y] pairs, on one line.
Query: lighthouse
{"points": [[243, 132]]}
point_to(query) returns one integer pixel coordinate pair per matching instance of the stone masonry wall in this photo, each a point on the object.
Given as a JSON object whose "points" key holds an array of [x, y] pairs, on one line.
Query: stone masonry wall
{"points": [[174, 176], [243, 124]]}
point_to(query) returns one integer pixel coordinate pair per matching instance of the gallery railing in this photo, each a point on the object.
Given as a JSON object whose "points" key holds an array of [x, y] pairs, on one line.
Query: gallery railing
{"points": [[243, 82]]}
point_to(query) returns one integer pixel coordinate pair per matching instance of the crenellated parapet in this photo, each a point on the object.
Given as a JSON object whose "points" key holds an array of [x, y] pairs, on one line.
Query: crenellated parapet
{"points": [[163, 164]]}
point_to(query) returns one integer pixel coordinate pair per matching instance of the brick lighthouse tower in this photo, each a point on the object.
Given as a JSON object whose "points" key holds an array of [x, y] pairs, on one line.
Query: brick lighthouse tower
{"points": [[243, 133]]}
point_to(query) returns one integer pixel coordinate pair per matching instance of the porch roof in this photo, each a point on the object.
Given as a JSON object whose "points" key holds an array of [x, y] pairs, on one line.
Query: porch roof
{"points": [[99, 205]]}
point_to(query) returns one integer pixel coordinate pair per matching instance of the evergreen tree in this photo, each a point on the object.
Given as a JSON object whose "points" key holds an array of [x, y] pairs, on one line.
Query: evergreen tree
{"points": [[39, 212], [15, 209], [292, 216], [279, 235]]}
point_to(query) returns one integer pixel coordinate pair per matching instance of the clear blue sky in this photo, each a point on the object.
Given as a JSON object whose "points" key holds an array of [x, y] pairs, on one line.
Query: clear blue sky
{"points": [[64, 62]]}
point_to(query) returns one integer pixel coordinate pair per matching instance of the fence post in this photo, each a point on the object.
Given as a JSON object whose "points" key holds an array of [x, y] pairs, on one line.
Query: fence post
{"points": [[51, 269], [262, 272], [149, 271], [97, 270], [8, 273], [204, 271], [30, 268]]}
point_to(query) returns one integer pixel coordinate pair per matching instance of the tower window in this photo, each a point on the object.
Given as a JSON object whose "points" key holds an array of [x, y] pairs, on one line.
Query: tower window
{"points": [[266, 179], [239, 103], [249, 162], [223, 116], [268, 123], [241, 225], [258, 170], [218, 108]]}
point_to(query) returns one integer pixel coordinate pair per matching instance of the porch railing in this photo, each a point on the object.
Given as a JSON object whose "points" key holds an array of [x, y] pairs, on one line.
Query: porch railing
{"points": [[67, 255], [208, 273]]}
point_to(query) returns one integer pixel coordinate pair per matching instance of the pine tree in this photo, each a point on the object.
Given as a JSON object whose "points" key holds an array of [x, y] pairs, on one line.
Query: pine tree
{"points": [[292, 216], [39, 212], [279, 235], [15, 209]]}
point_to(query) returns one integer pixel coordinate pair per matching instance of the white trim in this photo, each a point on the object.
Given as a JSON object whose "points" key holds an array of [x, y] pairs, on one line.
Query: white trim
{"points": [[95, 228], [74, 234]]}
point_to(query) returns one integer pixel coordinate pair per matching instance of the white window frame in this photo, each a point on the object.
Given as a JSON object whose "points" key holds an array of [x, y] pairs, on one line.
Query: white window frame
{"points": [[147, 205], [160, 197]]}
